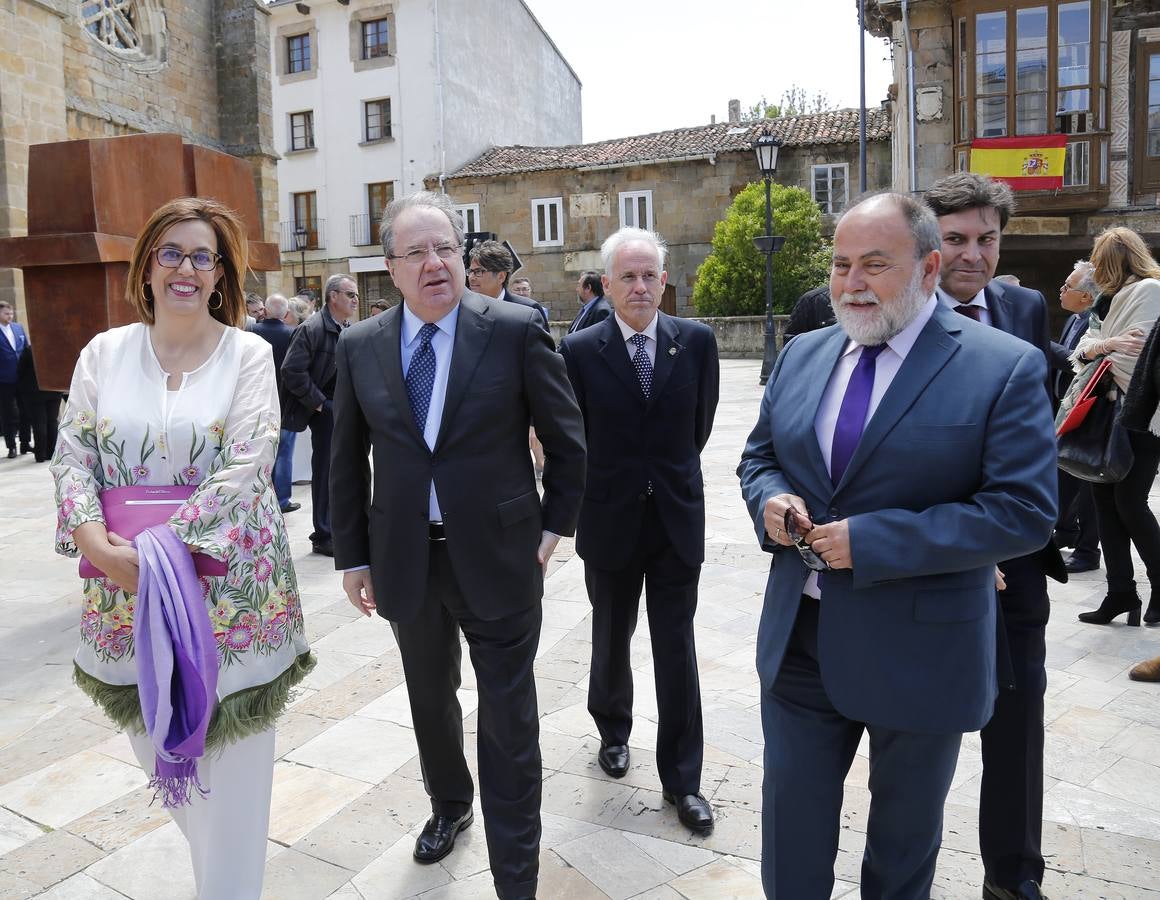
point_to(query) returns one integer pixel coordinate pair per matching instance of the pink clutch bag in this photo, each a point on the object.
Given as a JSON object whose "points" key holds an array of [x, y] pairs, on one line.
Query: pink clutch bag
{"points": [[130, 510]]}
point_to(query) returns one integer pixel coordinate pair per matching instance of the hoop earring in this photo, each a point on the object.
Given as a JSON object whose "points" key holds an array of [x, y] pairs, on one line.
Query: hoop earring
{"points": [[147, 297], [220, 300]]}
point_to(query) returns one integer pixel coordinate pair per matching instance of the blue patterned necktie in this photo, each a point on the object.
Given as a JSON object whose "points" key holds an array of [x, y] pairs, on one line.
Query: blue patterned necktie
{"points": [[421, 376], [852, 415], [640, 362]]}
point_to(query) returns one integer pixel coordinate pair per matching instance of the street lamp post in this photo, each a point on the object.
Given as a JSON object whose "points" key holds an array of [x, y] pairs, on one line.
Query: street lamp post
{"points": [[300, 235], [766, 147]]}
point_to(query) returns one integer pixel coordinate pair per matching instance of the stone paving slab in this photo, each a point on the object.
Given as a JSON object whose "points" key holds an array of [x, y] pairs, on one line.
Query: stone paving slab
{"points": [[76, 824]]}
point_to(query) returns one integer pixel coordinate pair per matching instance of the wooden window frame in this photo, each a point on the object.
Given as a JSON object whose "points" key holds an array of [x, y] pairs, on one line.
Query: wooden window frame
{"points": [[311, 220], [307, 117], [1146, 172], [383, 104], [306, 59], [379, 48]]}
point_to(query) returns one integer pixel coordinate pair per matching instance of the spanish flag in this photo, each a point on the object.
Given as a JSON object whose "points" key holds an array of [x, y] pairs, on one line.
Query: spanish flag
{"points": [[1025, 163]]}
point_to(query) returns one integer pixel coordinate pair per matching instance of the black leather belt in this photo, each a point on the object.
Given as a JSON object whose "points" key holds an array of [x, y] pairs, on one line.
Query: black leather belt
{"points": [[435, 531]]}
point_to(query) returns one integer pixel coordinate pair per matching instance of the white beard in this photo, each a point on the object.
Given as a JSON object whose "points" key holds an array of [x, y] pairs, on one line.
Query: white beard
{"points": [[888, 317]]}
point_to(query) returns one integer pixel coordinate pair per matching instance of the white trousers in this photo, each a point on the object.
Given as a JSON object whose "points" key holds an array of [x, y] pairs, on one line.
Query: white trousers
{"points": [[227, 828]]}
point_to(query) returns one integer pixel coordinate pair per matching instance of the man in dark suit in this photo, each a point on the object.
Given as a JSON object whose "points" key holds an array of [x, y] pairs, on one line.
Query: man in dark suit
{"points": [[972, 211], [491, 266], [277, 334], [309, 375], [439, 390], [1077, 510], [812, 311], [647, 384], [869, 461], [594, 307], [13, 345]]}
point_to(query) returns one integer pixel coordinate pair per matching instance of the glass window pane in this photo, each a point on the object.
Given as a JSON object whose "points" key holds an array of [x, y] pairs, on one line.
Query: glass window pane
{"points": [[1074, 44], [1031, 29], [1154, 65], [990, 32], [1031, 114], [991, 73], [541, 225], [554, 227], [1154, 143], [1031, 70], [642, 212], [991, 116], [1072, 101]]}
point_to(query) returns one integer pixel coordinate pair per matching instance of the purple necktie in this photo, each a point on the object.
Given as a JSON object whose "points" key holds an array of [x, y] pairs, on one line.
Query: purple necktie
{"points": [[852, 415]]}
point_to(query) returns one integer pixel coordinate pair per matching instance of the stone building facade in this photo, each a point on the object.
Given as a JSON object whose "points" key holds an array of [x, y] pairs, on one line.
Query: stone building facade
{"points": [[679, 183], [72, 70], [1089, 69]]}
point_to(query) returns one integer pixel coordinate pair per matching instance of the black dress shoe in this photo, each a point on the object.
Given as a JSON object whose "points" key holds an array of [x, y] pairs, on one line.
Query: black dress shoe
{"points": [[325, 548], [613, 759], [1028, 890], [291, 507], [693, 810], [437, 838], [25, 448], [1077, 564], [12, 453]]}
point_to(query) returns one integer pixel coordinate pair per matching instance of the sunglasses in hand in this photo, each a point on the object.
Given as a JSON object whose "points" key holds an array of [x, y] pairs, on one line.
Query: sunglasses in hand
{"points": [[797, 534]]}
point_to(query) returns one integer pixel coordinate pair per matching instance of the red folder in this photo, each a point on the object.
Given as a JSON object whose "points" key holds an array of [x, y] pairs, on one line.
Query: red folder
{"points": [[130, 510], [1086, 399]]}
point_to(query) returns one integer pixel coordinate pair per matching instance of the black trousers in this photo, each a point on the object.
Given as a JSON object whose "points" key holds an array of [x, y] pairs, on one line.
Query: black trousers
{"points": [[1011, 798], [671, 601], [321, 432], [1125, 518], [1077, 513], [11, 420], [42, 409], [510, 774]]}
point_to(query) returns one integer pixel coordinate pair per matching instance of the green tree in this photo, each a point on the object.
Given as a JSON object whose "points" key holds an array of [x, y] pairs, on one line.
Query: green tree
{"points": [[731, 280], [794, 102]]}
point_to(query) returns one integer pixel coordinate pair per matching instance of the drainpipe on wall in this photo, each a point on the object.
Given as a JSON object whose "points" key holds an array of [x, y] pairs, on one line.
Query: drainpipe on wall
{"points": [[913, 149], [439, 100]]}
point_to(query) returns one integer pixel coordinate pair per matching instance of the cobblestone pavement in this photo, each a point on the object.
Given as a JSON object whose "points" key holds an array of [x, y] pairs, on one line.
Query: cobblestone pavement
{"points": [[75, 819]]}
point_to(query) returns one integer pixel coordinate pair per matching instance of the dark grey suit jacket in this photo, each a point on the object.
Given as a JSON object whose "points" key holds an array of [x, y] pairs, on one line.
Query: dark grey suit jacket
{"points": [[504, 373]]}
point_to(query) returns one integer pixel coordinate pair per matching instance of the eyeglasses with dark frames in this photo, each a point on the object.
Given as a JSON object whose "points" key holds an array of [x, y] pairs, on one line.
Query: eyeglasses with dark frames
{"points": [[172, 258], [352, 295], [797, 535], [416, 256]]}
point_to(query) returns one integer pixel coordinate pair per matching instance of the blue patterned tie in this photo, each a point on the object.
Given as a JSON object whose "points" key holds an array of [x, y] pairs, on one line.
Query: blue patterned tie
{"points": [[852, 415], [640, 362], [421, 376]]}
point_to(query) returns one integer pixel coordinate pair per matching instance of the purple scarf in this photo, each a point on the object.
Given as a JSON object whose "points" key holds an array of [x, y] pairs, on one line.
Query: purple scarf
{"points": [[177, 665]]}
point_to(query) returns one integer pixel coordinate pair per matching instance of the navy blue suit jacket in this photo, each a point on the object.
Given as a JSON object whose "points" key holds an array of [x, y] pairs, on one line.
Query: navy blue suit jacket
{"points": [[277, 334], [599, 310], [945, 483], [9, 357], [633, 442]]}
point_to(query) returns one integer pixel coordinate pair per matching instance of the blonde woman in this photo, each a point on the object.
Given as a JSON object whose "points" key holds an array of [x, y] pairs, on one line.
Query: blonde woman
{"points": [[1128, 279], [186, 397]]}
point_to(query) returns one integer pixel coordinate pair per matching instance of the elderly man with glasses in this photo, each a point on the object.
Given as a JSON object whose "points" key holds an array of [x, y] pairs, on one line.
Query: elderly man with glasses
{"points": [[449, 534], [908, 488]]}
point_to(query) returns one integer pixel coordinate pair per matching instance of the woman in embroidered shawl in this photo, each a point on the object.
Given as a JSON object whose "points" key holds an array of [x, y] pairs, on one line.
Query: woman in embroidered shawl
{"points": [[187, 397], [1127, 277]]}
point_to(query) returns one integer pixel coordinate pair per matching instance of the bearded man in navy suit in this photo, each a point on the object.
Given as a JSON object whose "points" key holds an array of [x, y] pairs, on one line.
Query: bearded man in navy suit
{"points": [[887, 494], [972, 212]]}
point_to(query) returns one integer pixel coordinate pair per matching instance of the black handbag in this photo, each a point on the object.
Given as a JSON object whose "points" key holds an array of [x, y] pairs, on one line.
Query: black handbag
{"points": [[1098, 449]]}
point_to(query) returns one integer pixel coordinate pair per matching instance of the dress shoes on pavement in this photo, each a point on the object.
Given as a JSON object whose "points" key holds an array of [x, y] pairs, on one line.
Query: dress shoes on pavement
{"points": [[1028, 890], [438, 836], [291, 507], [1148, 670], [693, 810], [1076, 564], [324, 548], [613, 759], [12, 453]]}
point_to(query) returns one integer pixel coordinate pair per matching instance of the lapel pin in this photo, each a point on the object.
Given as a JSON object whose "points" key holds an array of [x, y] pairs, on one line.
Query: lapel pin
{"points": [[672, 351]]}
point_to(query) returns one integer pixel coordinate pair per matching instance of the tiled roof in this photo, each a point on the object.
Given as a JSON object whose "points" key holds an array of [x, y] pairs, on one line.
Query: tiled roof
{"points": [[839, 126]]}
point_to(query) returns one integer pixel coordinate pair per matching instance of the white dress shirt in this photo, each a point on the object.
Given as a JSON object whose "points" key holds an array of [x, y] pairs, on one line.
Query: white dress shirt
{"points": [[650, 332], [441, 343], [885, 368], [979, 300], [10, 334]]}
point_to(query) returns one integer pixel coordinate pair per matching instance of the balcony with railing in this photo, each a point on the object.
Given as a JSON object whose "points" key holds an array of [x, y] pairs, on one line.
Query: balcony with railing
{"points": [[364, 230], [315, 233]]}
